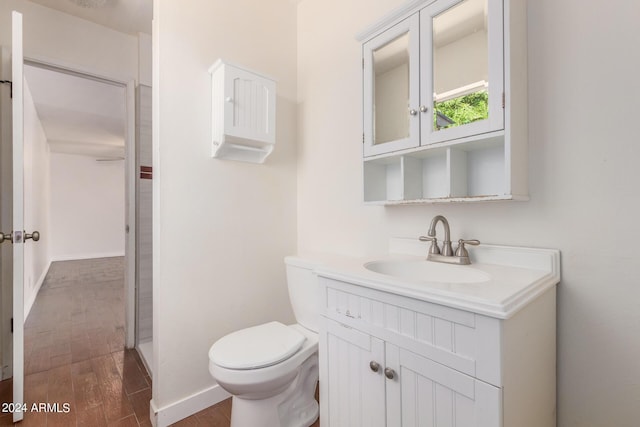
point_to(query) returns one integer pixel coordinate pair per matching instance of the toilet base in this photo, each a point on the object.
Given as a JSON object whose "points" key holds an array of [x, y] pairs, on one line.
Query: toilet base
{"points": [[294, 407]]}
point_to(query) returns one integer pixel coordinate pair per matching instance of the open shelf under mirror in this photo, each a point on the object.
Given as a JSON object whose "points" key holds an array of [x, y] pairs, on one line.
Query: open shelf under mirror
{"points": [[464, 171]]}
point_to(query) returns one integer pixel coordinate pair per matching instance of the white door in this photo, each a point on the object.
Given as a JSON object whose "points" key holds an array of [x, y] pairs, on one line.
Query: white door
{"points": [[353, 391], [435, 395], [18, 236], [18, 213]]}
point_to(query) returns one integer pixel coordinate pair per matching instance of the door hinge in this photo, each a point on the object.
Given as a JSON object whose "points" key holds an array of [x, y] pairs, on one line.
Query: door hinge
{"points": [[363, 63], [10, 83], [363, 137], [12, 325], [503, 102]]}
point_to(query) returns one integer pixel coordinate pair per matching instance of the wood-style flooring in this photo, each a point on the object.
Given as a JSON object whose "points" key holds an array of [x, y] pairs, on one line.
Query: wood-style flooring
{"points": [[75, 355], [74, 351]]}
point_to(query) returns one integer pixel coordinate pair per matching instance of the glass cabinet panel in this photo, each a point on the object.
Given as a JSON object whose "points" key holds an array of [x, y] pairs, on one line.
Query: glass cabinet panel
{"points": [[463, 76], [391, 89], [460, 65]]}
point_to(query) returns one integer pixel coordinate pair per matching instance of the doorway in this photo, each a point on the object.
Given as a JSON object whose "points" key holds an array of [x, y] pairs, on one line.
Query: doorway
{"points": [[99, 159], [89, 122]]}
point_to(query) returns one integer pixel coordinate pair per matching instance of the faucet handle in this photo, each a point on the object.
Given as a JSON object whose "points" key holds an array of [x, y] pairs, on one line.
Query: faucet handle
{"points": [[434, 249], [461, 251]]}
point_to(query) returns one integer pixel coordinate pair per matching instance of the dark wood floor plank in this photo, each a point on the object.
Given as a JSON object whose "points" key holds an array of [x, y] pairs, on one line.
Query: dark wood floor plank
{"points": [[55, 419], [105, 368], [213, 416], [132, 374], [92, 417], [36, 388], [116, 404], [60, 385], [34, 419], [191, 421], [125, 422], [6, 420], [86, 391], [140, 402]]}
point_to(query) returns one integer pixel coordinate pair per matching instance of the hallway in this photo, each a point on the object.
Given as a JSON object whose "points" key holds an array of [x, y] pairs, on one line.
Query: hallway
{"points": [[74, 350]]}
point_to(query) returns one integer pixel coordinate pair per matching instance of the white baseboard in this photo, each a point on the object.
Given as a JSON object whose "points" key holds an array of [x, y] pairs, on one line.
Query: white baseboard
{"points": [[74, 257], [32, 298], [174, 412]]}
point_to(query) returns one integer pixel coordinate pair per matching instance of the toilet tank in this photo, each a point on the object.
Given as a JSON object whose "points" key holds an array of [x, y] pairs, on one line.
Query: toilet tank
{"points": [[304, 292]]}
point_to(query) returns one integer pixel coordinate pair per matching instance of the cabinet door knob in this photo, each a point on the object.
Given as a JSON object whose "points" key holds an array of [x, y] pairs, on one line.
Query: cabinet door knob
{"points": [[423, 108], [413, 112], [389, 373], [374, 366], [229, 99]]}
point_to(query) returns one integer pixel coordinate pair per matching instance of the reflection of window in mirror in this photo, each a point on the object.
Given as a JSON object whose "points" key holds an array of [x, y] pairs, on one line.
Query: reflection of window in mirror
{"points": [[391, 91], [460, 65]]}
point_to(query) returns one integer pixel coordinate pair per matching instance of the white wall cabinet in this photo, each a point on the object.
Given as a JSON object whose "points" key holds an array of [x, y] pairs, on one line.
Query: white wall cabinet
{"points": [[243, 113], [448, 367], [445, 103]]}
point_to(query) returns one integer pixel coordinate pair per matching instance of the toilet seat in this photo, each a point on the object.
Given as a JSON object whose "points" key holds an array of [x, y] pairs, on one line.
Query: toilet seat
{"points": [[256, 347]]}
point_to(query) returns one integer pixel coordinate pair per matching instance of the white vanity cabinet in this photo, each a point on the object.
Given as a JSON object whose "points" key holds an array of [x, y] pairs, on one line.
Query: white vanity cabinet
{"points": [[445, 102], [391, 360]]}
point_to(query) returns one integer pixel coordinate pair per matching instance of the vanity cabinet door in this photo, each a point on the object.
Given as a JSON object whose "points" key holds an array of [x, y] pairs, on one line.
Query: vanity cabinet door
{"points": [[352, 385], [462, 69], [391, 89], [435, 395]]}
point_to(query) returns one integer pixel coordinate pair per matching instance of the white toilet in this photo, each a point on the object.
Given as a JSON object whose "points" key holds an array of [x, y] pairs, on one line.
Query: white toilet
{"points": [[272, 369]]}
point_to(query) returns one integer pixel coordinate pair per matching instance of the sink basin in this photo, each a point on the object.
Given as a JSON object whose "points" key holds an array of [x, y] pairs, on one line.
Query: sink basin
{"points": [[427, 271]]}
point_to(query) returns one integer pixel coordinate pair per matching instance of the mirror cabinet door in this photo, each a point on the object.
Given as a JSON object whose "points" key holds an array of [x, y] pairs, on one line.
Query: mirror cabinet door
{"points": [[391, 89], [462, 43]]}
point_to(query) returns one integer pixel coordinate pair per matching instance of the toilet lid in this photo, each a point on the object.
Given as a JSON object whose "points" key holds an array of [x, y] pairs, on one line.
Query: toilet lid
{"points": [[256, 347]]}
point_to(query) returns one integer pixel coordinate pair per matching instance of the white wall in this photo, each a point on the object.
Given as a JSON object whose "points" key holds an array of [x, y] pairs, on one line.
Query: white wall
{"points": [[144, 215], [36, 201], [221, 228], [49, 34], [144, 59], [87, 207], [584, 177]]}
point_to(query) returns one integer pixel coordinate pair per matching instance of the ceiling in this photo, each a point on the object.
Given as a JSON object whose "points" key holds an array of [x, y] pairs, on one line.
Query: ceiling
{"points": [[79, 115], [127, 16]]}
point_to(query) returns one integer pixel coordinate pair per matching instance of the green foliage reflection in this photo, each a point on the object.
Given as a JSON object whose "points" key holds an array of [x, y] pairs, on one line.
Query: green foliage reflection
{"points": [[462, 110]]}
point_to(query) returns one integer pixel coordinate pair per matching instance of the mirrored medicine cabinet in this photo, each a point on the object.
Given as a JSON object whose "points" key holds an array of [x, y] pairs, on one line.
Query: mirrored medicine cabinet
{"points": [[444, 97]]}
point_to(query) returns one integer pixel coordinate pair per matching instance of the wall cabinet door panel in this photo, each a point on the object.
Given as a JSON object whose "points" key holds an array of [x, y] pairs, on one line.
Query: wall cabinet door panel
{"points": [[391, 89], [462, 69]]}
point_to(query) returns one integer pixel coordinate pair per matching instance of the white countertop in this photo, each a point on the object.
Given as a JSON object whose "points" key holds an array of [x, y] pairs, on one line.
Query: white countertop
{"points": [[516, 277]]}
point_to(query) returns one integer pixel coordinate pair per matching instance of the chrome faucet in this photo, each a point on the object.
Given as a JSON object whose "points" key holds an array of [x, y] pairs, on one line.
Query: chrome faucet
{"points": [[461, 256], [446, 243]]}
